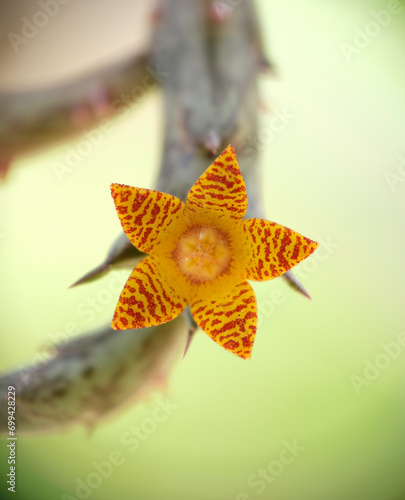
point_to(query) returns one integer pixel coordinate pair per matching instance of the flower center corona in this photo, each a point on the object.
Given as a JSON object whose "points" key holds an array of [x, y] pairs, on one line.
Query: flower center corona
{"points": [[203, 253]]}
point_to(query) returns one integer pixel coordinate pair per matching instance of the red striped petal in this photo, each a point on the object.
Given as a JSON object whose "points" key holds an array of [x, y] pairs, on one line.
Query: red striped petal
{"points": [[145, 215], [220, 188], [148, 298], [231, 320], [273, 249]]}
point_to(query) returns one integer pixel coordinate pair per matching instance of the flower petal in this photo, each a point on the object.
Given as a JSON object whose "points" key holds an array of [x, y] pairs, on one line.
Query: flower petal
{"points": [[148, 298], [231, 320], [273, 249], [220, 188], [145, 214]]}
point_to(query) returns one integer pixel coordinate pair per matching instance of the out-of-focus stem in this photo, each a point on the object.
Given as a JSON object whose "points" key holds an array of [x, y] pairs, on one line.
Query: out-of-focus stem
{"points": [[31, 120], [209, 92]]}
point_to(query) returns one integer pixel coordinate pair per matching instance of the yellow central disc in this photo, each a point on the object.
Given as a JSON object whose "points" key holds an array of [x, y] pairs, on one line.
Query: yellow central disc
{"points": [[203, 253]]}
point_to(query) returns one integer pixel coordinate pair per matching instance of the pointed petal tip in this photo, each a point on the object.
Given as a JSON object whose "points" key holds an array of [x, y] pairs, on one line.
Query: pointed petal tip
{"points": [[314, 244], [221, 188], [114, 190], [114, 187], [230, 159], [230, 150], [244, 354], [231, 320], [120, 327]]}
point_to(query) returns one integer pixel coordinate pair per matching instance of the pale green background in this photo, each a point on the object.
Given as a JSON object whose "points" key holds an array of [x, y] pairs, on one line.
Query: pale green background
{"points": [[325, 176]]}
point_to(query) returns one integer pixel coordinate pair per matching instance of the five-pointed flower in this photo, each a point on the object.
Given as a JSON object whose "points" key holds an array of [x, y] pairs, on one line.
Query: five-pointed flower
{"points": [[202, 254]]}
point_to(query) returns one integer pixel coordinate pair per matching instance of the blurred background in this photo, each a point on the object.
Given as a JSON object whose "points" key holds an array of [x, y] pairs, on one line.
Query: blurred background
{"points": [[318, 412]]}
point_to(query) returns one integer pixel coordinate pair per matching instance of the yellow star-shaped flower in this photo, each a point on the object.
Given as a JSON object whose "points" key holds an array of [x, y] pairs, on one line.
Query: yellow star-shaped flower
{"points": [[202, 254]]}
